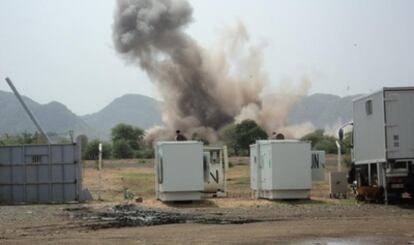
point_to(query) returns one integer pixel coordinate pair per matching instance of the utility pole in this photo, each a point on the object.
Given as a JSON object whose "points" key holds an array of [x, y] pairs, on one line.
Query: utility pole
{"points": [[32, 117]]}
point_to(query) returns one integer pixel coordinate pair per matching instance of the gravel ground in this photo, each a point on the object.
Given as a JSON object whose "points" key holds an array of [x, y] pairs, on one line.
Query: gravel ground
{"points": [[280, 222]]}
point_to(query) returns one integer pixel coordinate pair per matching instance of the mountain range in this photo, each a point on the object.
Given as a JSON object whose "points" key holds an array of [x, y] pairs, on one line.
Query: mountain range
{"points": [[134, 109], [322, 110], [54, 117]]}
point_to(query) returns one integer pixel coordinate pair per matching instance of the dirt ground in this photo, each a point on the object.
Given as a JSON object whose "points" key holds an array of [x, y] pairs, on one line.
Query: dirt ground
{"points": [[237, 219]]}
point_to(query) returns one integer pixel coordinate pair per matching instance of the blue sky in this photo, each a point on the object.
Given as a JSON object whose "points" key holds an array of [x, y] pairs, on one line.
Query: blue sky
{"points": [[62, 50]]}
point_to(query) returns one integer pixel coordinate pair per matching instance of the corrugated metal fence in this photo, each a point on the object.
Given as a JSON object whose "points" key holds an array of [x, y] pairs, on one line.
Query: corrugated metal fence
{"points": [[40, 173]]}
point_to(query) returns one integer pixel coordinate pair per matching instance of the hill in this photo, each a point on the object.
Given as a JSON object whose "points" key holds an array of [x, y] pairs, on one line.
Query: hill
{"points": [[322, 110], [53, 117], [134, 109]]}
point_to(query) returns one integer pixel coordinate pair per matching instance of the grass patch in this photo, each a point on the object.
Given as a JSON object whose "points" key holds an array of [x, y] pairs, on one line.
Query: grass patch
{"points": [[348, 201], [239, 182], [141, 184], [303, 203]]}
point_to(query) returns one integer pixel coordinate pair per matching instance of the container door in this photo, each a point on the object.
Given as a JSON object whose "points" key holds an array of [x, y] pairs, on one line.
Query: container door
{"points": [[253, 166], [318, 166], [399, 123]]}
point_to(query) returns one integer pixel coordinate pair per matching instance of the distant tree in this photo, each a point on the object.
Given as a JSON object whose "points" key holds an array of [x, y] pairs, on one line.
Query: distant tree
{"points": [[320, 141], [327, 144], [196, 137], [24, 138], [314, 137], [122, 149], [229, 136], [239, 137], [84, 142], [59, 138], [347, 143], [247, 132], [92, 150], [132, 135], [144, 152]]}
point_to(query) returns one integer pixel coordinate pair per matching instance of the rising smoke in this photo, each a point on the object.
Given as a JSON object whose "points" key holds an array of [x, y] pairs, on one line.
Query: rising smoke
{"points": [[203, 90]]}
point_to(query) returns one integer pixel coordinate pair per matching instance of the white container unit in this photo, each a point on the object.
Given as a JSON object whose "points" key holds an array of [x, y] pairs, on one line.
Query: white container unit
{"points": [[179, 170], [318, 165], [280, 169]]}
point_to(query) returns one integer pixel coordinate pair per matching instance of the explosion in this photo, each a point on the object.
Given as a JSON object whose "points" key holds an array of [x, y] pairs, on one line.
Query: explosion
{"points": [[202, 89]]}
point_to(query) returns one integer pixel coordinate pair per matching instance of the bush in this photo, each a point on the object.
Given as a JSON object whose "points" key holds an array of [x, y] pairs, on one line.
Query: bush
{"points": [[144, 153], [122, 149], [91, 151]]}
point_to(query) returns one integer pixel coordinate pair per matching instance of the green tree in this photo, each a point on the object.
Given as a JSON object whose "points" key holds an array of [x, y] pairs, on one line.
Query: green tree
{"points": [[132, 135], [144, 152], [247, 132], [314, 137], [122, 149], [239, 137], [84, 142], [197, 137], [24, 138], [229, 136], [327, 144], [347, 143], [321, 142], [92, 150]]}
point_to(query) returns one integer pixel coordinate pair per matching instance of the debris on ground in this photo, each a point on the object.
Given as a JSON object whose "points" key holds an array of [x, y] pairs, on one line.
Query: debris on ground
{"points": [[129, 215]]}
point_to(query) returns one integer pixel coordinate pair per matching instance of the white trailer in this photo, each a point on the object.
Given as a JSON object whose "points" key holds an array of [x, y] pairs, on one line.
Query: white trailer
{"points": [[280, 169], [179, 170], [383, 140]]}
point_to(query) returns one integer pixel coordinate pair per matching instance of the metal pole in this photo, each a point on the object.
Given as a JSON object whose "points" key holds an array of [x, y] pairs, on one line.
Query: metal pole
{"points": [[384, 177], [71, 136], [99, 172], [339, 142], [369, 174], [226, 167], [32, 117], [338, 145], [258, 171]]}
